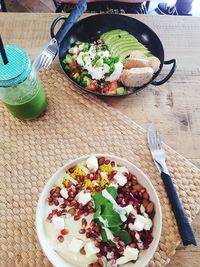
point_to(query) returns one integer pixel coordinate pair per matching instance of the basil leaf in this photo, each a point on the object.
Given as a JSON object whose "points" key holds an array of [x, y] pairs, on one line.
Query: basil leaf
{"points": [[110, 215], [100, 200]]}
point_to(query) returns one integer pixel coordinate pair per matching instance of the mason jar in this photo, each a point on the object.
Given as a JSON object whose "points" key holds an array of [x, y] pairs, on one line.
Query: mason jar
{"points": [[20, 87]]}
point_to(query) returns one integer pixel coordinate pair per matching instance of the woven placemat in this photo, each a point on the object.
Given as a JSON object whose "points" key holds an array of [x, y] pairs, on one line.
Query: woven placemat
{"points": [[75, 124]]}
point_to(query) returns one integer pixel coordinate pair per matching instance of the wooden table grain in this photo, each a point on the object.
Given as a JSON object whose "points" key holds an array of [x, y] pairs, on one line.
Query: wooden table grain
{"points": [[174, 107]]}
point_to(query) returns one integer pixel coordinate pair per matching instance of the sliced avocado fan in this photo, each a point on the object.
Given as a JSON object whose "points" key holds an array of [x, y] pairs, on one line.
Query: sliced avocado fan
{"points": [[121, 43]]}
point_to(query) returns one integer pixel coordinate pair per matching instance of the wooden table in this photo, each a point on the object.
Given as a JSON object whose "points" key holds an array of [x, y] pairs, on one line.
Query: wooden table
{"points": [[173, 107]]}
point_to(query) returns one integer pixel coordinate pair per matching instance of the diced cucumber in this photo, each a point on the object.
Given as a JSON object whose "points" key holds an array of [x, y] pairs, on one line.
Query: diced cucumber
{"points": [[76, 76], [68, 59], [121, 91], [86, 81]]}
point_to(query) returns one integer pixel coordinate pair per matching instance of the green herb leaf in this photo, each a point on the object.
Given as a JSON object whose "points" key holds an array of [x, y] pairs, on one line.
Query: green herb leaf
{"points": [[100, 200], [110, 215]]}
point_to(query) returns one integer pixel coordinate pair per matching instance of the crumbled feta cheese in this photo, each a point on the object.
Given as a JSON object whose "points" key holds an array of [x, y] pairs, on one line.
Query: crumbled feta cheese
{"points": [[64, 192], [147, 224], [80, 59], [75, 245], [128, 208], [120, 179], [129, 255], [58, 223], [92, 163], [90, 249], [83, 198], [131, 226], [104, 175], [116, 73], [139, 223]]}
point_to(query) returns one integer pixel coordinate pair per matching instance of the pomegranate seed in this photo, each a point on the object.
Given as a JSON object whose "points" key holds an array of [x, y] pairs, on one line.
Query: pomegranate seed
{"points": [[84, 222], [91, 210], [64, 231], [97, 243], [53, 190], [121, 243], [86, 213], [116, 239], [56, 194], [88, 230], [119, 200], [60, 238], [133, 177], [82, 231], [121, 249], [88, 235], [97, 188], [54, 211], [133, 245], [107, 161], [55, 202], [59, 213], [80, 206], [97, 229], [50, 216], [112, 163], [51, 204], [92, 223], [76, 217], [125, 174], [80, 212], [50, 199], [90, 204], [110, 177], [62, 206], [113, 172], [71, 170], [71, 194]]}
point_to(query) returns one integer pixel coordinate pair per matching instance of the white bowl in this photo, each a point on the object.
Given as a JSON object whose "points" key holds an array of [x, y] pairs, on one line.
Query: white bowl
{"points": [[144, 256]]}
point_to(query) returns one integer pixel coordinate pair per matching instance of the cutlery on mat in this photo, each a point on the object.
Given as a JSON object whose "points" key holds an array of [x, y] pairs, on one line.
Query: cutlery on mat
{"points": [[45, 58], [158, 155]]}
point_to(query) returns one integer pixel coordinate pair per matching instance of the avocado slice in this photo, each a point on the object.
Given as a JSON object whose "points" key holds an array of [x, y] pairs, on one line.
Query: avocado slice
{"points": [[120, 35], [118, 47], [105, 35]]}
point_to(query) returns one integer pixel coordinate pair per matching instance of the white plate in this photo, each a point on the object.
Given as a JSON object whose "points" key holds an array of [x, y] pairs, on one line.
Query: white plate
{"points": [[144, 256]]}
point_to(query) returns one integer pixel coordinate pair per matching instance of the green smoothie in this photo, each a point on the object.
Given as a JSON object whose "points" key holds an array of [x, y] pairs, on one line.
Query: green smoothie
{"points": [[30, 109]]}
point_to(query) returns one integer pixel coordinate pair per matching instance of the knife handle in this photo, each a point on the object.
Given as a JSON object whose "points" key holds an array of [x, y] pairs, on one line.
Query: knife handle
{"points": [[183, 223], [76, 12]]}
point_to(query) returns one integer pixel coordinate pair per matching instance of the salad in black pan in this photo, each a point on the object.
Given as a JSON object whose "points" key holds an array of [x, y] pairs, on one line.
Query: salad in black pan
{"points": [[112, 65]]}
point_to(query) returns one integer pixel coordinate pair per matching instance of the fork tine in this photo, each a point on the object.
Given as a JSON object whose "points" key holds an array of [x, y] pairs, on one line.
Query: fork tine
{"points": [[159, 142]]}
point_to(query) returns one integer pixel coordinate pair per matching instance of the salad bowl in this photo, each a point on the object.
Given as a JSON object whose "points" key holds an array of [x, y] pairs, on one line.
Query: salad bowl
{"points": [[54, 257]]}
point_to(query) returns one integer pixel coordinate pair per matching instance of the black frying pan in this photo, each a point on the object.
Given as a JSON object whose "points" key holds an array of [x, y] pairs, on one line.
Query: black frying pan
{"points": [[89, 29]]}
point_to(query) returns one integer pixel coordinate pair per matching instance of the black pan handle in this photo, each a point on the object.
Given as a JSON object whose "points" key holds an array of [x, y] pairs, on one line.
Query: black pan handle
{"points": [[68, 21], [173, 62], [53, 24]]}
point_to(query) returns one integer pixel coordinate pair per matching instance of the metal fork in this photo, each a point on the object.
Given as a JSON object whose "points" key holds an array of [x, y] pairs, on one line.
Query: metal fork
{"points": [[46, 57], [157, 150], [158, 155]]}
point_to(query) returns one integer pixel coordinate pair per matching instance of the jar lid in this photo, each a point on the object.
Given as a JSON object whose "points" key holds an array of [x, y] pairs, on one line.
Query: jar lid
{"points": [[17, 68]]}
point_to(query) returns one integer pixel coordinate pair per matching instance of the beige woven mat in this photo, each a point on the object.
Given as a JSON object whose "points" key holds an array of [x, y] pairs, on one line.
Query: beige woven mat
{"points": [[74, 124]]}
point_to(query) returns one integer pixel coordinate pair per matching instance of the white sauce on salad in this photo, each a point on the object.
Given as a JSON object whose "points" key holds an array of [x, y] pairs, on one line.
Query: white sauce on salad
{"points": [[121, 211]]}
